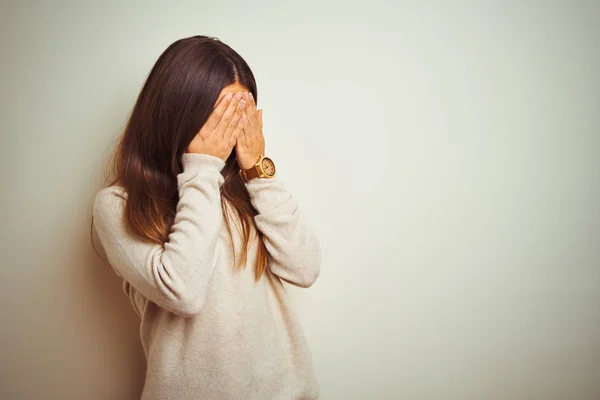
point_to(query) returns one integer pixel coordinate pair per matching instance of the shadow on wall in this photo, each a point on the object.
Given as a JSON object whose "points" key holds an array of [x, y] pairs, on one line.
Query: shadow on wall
{"points": [[117, 324]]}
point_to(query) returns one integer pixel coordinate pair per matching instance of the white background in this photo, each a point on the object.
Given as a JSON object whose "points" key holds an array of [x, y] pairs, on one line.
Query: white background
{"points": [[446, 153]]}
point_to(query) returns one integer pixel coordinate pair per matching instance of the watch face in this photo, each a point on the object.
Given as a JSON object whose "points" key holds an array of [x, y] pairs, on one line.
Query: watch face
{"points": [[268, 166]]}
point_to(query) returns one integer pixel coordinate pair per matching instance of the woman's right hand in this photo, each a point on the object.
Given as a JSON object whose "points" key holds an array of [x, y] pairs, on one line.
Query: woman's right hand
{"points": [[220, 132]]}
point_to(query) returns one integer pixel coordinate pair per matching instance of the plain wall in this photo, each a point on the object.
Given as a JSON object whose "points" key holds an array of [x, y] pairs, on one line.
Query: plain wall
{"points": [[447, 153]]}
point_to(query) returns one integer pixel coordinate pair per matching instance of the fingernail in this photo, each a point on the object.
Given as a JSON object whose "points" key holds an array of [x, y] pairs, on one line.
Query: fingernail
{"points": [[238, 95], [228, 96]]}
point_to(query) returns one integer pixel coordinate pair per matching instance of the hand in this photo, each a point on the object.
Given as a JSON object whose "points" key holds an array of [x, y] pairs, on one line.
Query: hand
{"points": [[222, 129], [251, 143]]}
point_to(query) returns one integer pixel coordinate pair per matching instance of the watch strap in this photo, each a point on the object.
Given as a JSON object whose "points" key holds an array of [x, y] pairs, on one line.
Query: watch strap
{"points": [[252, 173], [255, 171]]}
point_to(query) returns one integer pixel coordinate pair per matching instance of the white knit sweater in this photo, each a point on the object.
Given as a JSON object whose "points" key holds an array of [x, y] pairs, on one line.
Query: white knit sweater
{"points": [[207, 331]]}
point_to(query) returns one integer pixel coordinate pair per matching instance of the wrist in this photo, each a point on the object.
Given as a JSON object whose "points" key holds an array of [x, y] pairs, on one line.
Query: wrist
{"points": [[245, 164], [263, 168]]}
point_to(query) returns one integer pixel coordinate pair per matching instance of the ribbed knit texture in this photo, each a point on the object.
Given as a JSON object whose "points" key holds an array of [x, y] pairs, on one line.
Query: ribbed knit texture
{"points": [[209, 332]]}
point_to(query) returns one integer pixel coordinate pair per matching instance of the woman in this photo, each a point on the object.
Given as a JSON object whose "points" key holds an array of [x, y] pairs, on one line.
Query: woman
{"points": [[203, 231]]}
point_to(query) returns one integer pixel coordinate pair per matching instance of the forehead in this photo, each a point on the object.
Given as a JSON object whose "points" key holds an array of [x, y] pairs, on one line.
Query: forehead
{"points": [[234, 87]]}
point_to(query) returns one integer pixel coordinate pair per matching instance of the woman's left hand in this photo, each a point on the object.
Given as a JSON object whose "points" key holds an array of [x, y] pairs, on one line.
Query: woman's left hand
{"points": [[251, 142]]}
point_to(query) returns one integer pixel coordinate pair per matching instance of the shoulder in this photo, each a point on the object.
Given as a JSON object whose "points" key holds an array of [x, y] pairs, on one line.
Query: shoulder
{"points": [[107, 216], [109, 201]]}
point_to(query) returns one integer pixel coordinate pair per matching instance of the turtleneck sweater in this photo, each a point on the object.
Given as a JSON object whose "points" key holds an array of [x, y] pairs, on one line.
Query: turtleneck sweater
{"points": [[209, 331]]}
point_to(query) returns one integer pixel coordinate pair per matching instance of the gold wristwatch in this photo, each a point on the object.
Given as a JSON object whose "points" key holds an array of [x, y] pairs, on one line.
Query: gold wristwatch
{"points": [[264, 168]]}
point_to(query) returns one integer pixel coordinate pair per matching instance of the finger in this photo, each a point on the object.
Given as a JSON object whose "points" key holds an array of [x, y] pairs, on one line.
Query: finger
{"points": [[238, 130], [218, 111], [234, 120], [228, 115], [239, 113], [255, 120], [251, 107]]}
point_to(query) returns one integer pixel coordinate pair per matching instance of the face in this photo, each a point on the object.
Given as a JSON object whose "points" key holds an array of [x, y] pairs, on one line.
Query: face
{"points": [[233, 88]]}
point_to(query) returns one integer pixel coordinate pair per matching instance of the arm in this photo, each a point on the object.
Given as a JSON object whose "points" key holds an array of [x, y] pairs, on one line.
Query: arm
{"points": [[174, 275], [293, 247]]}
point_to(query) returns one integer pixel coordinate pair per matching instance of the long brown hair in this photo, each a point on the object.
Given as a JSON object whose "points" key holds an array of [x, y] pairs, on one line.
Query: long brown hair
{"points": [[173, 104]]}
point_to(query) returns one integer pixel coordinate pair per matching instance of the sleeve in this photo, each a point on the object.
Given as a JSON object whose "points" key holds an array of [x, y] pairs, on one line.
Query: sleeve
{"points": [[176, 274], [294, 249]]}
